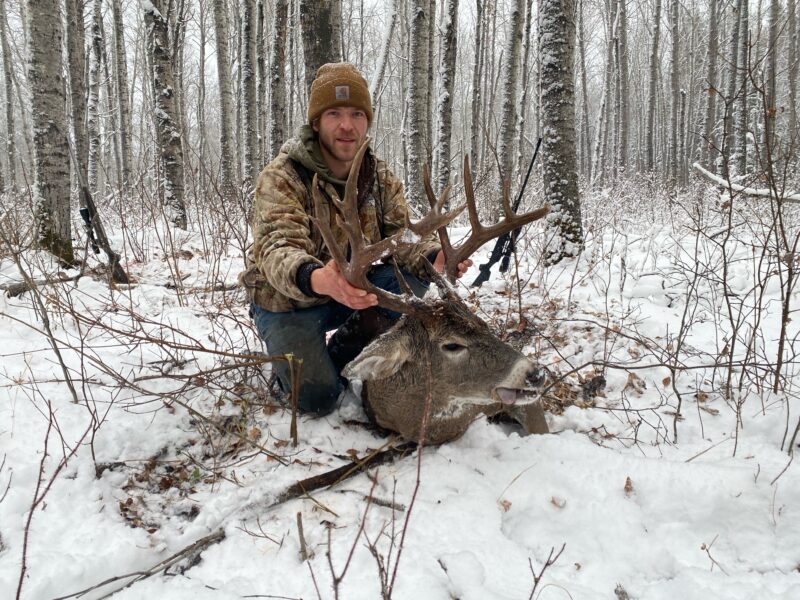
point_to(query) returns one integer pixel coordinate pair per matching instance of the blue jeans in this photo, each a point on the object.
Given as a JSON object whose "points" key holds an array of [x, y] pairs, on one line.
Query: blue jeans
{"points": [[302, 332]]}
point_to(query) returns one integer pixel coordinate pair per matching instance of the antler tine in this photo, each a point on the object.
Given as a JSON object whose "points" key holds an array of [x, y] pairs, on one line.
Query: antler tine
{"points": [[481, 234], [362, 255], [434, 220]]}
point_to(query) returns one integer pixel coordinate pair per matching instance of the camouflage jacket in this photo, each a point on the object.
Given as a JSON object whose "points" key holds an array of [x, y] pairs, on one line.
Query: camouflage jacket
{"points": [[284, 237]]}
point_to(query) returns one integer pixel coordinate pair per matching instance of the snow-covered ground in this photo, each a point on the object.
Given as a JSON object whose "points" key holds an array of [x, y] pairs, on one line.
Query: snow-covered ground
{"points": [[170, 440]]}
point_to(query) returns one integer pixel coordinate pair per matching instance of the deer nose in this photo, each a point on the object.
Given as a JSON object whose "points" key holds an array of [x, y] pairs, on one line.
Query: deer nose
{"points": [[536, 377]]}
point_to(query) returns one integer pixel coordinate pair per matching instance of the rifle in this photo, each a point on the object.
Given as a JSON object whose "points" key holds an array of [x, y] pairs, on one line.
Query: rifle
{"points": [[505, 244]]}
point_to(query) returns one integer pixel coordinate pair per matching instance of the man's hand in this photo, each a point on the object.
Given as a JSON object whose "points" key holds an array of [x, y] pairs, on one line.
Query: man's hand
{"points": [[463, 266], [329, 281]]}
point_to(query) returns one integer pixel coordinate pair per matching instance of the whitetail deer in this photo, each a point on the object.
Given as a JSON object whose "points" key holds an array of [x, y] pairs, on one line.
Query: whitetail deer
{"points": [[439, 366]]}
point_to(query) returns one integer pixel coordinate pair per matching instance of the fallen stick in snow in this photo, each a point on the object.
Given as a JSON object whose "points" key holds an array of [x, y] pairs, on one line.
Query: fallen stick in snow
{"points": [[17, 289], [298, 490], [790, 198]]}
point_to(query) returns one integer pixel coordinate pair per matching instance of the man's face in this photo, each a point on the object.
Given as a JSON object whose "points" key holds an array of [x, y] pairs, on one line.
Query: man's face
{"points": [[341, 132]]}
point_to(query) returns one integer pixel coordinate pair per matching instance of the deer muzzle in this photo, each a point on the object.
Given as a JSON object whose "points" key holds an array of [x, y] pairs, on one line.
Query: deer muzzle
{"points": [[534, 380]]}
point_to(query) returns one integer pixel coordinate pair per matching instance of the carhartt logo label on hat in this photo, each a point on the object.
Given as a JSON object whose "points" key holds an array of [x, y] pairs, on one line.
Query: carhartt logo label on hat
{"points": [[343, 92]]}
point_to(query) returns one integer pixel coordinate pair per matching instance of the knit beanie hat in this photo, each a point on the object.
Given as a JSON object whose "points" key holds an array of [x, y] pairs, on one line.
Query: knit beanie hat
{"points": [[338, 84]]}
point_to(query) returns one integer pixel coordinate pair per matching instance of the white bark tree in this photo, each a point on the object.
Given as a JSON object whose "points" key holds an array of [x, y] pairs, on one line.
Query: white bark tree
{"points": [[121, 83], [417, 99], [277, 114], [444, 110], [51, 191], [559, 161], [508, 127], [11, 148], [650, 143], [168, 133], [226, 147], [249, 105]]}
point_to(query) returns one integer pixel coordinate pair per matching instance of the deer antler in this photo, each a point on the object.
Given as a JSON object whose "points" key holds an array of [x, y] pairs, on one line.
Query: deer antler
{"points": [[480, 234], [362, 255]]}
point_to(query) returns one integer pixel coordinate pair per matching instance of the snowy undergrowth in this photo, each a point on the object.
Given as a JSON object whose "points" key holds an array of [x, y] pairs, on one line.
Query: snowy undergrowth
{"points": [[174, 433]]}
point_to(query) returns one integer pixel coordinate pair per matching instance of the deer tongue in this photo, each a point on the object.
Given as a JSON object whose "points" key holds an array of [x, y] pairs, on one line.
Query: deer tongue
{"points": [[507, 395], [515, 396]]}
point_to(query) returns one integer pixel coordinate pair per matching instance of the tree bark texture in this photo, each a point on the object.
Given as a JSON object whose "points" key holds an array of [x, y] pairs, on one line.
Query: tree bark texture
{"points": [[559, 161], [624, 116], [477, 88], [447, 76], [51, 151], [76, 54], [383, 59], [743, 88], [321, 22], [674, 92], [11, 148], [650, 143], [93, 104], [249, 105], [709, 153], [121, 81], [791, 9], [508, 127], [227, 154], [168, 133], [417, 98], [278, 129]]}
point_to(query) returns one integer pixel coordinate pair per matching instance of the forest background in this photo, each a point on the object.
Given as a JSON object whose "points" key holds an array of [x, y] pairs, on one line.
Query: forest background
{"points": [[141, 446]]}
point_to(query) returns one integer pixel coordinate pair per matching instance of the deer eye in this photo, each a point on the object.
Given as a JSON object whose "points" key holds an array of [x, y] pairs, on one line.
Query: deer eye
{"points": [[453, 347]]}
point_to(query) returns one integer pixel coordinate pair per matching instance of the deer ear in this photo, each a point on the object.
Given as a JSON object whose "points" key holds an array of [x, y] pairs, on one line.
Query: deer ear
{"points": [[381, 359]]}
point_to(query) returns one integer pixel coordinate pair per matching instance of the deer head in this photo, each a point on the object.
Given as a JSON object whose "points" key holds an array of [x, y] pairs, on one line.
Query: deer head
{"points": [[439, 367]]}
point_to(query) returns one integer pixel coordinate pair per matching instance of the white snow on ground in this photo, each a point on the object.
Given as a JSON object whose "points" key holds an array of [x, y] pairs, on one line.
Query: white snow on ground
{"points": [[714, 515]]}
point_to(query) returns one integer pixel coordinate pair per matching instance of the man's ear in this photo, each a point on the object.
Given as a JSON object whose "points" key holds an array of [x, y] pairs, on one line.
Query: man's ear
{"points": [[381, 359], [315, 124]]}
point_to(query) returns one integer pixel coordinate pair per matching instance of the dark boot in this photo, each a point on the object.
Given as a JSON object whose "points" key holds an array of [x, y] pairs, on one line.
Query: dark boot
{"points": [[360, 329]]}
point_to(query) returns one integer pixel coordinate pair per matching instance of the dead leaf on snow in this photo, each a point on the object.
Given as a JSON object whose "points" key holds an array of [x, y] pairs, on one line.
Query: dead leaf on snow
{"points": [[628, 486], [635, 384]]}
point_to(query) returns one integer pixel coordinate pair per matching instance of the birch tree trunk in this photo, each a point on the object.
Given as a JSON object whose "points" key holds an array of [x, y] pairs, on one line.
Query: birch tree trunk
{"points": [[11, 149], [477, 72], [417, 98], [772, 77], [709, 153], [76, 54], [743, 86], [674, 93], [523, 101], [510, 84], [93, 105], [651, 92], [262, 55], [383, 59], [321, 23], [121, 80], [729, 143], [559, 162], [249, 106], [429, 88], [226, 148], [624, 115], [601, 130], [168, 132], [277, 114], [447, 75], [791, 9], [586, 153], [51, 191]]}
